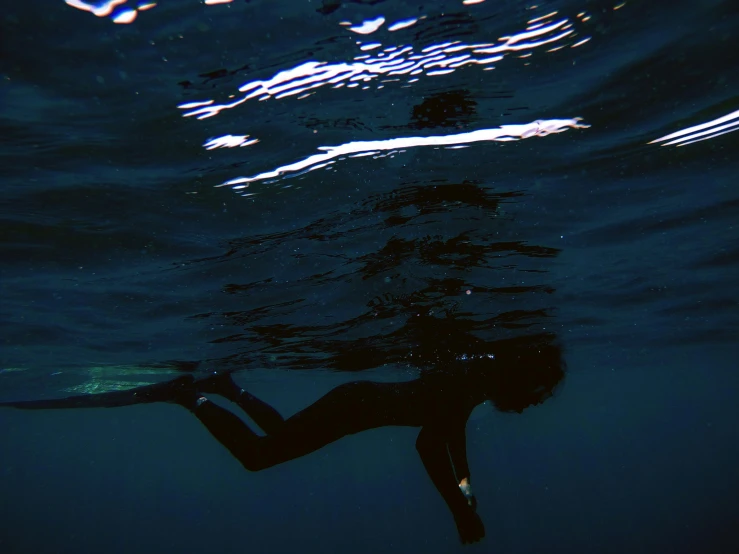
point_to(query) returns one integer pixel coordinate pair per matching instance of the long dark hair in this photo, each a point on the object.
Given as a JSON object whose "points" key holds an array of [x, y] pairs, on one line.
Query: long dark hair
{"points": [[520, 372]]}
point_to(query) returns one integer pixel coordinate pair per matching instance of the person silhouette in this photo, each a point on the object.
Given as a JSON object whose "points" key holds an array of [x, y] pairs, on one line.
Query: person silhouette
{"points": [[515, 374]]}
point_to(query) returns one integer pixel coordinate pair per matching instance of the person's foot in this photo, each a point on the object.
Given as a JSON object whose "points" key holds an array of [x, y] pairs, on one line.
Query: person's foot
{"points": [[221, 384]]}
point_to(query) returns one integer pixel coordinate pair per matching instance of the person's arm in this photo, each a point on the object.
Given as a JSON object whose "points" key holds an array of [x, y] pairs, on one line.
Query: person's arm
{"points": [[457, 444], [432, 447]]}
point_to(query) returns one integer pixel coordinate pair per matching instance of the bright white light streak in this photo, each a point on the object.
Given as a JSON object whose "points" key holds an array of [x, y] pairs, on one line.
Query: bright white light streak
{"points": [[191, 105], [125, 17], [440, 72], [733, 128], [392, 61], [524, 46], [460, 64], [580, 43], [535, 33], [439, 46], [542, 18], [369, 26], [709, 132], [100, 10], [298, 91], [460, 48], [229, 141], [397, 26], [504, 133], [694, 132]]}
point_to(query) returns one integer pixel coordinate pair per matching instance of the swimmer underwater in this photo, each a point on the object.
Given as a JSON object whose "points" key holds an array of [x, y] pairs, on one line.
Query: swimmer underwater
{"points": [[521, 373]]}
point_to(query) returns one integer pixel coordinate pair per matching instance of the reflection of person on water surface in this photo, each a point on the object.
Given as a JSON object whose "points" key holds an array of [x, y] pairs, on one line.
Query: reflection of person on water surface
{"points": [[516, 374]]}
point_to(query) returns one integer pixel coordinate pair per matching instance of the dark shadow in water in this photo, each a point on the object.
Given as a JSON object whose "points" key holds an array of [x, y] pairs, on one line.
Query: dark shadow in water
{"points": [[467, 273], [330, 6], [454, 108], [212, 79]]}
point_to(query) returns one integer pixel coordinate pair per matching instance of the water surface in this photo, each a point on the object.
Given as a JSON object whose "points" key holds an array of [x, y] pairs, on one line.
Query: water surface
{"points": [[299, 191]]}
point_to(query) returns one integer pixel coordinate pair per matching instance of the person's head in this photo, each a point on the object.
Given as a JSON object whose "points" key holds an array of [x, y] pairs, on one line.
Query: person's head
{"points": [[520, 372]]}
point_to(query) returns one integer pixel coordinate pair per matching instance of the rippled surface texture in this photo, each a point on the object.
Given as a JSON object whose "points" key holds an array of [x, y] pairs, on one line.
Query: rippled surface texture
{"points": [[304, 190]]}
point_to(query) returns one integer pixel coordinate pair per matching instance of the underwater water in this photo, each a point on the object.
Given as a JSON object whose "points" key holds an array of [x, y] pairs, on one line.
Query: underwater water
{"points": [[309, 193]]}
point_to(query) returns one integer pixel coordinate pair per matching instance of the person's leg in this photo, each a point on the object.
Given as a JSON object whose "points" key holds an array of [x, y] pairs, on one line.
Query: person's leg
{"points": [[228, 429], [264, 415], [345, 410]]}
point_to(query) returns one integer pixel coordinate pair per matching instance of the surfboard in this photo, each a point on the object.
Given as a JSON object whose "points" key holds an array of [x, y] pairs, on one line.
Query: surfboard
{"points": [[157, 392]]}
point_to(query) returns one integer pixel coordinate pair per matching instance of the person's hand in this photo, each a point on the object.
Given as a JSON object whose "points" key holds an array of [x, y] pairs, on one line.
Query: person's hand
{"points": [[466, 488], [469, 525]]}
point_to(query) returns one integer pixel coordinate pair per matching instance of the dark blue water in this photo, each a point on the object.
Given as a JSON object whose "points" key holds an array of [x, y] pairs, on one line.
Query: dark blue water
{"points": [[469, 165]]}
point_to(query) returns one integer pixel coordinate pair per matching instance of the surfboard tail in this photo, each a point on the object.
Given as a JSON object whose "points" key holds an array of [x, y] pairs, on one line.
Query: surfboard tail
{"points": [[158, 392]]}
